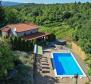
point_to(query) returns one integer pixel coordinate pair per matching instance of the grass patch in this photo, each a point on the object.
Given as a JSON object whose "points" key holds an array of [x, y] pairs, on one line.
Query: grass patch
{"points": [[24, 74], [40, 51], [62, 32]]}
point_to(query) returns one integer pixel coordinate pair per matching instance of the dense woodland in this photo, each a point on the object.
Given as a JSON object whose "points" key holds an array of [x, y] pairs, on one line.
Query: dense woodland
{"points": [[71, 22]]}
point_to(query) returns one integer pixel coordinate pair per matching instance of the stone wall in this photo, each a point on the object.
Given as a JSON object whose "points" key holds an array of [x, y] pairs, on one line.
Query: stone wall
{"points": [[76, 49]]}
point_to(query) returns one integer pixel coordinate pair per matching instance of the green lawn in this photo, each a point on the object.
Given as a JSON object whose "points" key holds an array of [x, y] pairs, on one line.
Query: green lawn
{"points": [[62, 32], [40, 50]]}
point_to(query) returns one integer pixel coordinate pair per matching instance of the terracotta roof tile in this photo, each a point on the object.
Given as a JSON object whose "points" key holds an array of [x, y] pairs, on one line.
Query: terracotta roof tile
{"points": [[20, 27]]}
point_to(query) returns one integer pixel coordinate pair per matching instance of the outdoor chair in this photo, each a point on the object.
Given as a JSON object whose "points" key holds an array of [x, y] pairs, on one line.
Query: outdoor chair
{"points": [[45, 71], [45, 67], [45, 64]]}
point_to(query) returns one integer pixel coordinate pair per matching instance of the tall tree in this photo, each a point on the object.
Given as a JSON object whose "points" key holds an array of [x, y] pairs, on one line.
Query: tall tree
{"points": [[6, 60], [2, 15]]}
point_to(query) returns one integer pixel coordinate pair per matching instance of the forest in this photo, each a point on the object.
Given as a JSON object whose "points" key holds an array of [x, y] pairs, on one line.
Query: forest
{"points": [[70, 21]]}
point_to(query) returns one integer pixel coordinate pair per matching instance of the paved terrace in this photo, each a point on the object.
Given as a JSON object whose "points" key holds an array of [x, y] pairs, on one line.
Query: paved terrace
{"points": [[49, 78]]}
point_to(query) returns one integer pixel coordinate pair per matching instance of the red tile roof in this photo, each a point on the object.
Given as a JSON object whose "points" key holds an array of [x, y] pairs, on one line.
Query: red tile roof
{"points": [[20, 27]]}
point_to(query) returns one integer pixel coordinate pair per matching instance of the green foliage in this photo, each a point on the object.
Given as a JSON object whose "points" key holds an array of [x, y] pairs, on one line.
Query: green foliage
{"points": [[22, 75], [48, 14], [2, 17], [6, 60], [20, 44], [0, 33], [67, 21], [61, 32], [83, 37], [67, 15], [51, 37], [89, 71], [87, 47]]}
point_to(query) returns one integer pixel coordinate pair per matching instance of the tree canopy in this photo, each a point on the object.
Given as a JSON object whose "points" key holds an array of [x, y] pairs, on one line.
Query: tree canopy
{"points": [[6, 60], [2, 16]]}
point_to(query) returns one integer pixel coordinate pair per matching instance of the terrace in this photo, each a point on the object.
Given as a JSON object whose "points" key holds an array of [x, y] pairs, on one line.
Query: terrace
{"points": [[37, 35], [45, 70]]}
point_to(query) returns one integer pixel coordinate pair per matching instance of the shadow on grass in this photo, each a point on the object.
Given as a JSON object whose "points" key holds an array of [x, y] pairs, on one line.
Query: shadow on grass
{"points": [[23, 74], [40, 79]]}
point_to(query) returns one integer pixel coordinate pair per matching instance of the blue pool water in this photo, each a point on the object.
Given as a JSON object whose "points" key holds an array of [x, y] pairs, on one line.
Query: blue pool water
{"points": [[65, 64]]}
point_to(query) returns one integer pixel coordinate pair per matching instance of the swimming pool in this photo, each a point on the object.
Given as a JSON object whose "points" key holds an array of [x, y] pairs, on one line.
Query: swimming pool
{"points": [[65, 65]]}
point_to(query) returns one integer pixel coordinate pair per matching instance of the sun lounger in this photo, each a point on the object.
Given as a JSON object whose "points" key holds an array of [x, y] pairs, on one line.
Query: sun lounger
{"points": [[45, 67], [45, 71], [45, 64], [44, 58], [44, 61]]}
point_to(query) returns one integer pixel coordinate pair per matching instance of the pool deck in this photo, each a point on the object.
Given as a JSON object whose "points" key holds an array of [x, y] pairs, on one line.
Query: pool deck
{"points": [[49, 78]]}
